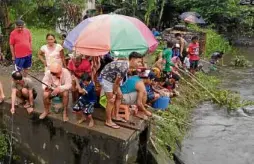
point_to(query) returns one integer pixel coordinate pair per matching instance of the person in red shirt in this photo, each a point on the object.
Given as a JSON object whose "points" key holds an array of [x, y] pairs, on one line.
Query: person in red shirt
{"points": [[78, 66], [21, 47], [194, 54]]}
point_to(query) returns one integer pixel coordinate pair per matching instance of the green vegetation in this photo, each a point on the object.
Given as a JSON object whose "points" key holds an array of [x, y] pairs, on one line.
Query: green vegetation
{"points": [[3, 146], [171, 126], [240, 61]]}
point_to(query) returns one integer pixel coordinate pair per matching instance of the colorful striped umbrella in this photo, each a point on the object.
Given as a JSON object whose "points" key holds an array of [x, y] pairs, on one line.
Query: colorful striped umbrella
{"points": [[118, 34]]}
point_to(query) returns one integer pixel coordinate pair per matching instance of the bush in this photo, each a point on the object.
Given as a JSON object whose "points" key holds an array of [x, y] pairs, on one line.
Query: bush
{"points": [[3, 146]]}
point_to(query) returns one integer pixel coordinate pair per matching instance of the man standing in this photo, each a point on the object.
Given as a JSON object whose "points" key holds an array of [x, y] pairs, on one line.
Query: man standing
{"points": [[183, 46], [111, 79], [59, 81], [21, 47]]}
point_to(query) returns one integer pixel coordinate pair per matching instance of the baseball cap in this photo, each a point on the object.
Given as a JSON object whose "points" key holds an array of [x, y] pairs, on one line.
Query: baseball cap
{"points": [[19, 22]]}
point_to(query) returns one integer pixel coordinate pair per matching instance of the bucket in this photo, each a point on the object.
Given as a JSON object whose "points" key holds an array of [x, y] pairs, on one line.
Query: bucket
{"points": [[161, 103], [56, 105], [103, 101]]}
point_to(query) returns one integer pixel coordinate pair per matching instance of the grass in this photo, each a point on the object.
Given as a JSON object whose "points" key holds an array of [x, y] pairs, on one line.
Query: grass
{"points": [[3, 146]]}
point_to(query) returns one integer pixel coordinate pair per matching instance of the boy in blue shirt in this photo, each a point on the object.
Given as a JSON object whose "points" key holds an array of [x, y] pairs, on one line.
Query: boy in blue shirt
{"points": [[86, 101]]}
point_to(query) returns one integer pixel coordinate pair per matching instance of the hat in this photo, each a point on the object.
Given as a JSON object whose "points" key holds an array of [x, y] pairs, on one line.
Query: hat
{"points": [[145, 74], [151, 75], [19, 22]]}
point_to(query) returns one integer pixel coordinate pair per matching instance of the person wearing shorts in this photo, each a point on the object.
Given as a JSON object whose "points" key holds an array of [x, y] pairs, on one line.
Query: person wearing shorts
{"points": [[194, 54], [23, 89], [134, 93], [111, 77], [21, 47], [85, 103]]}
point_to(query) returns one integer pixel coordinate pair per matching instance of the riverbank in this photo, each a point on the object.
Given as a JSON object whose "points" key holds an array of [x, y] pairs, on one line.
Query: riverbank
{"points": [[172, 125], [217, 136]]}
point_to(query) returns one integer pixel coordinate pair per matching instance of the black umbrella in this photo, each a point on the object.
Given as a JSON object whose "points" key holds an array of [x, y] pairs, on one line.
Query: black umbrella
{"points": [[192, 17]]}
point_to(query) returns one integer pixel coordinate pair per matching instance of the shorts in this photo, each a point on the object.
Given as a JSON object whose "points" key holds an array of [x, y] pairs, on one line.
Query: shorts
{"points": [[86, 107], [34, 94], [106, 85], [130, 98], [23, 63], [194, 64], [150, 96]]}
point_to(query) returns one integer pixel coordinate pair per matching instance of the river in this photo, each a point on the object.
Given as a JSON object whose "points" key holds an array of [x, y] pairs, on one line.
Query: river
{"points": [[217, 137]]}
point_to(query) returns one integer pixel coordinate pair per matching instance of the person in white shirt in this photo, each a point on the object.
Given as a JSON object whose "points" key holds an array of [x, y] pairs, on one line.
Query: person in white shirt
{"points": [[51, 52], [59, 83]]}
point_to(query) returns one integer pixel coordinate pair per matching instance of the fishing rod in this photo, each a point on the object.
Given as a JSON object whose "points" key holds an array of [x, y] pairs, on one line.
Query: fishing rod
{"points": [[35, 78], [40, 81], [200, 85], [227, 70]]}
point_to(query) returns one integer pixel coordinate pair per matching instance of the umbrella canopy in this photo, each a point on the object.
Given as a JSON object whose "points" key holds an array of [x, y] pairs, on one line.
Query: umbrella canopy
{"points": [[192, 17], [118, 34]]}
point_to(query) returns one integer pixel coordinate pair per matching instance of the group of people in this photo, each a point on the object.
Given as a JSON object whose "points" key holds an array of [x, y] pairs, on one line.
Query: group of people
{"points": [[127, 84]]}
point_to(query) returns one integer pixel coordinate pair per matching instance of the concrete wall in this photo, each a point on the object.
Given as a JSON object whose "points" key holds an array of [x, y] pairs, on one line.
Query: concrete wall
{"points": [[54, 142]]}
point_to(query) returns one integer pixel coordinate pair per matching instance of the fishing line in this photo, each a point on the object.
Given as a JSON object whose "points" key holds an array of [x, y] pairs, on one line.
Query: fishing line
{"points": [[227, 70], [11, 139]]}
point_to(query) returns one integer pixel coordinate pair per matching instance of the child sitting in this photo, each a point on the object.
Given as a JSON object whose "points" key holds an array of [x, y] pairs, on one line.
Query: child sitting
{"points": [[151, 95], [160, 89], [86, 101]]}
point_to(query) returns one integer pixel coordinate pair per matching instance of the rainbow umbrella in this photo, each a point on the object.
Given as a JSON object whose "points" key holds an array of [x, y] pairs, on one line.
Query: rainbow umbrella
{"points": [[118, 34]]}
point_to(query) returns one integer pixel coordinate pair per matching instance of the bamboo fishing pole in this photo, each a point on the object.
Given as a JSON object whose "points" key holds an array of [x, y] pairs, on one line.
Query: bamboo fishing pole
{"points": [[200, 85]]}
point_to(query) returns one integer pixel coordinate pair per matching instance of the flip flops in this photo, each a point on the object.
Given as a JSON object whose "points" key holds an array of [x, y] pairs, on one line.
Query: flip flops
{"points": [[113, 126], [119, 120]]}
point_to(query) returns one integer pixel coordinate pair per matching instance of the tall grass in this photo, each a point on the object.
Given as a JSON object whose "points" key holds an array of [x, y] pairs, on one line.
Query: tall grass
{"points": [[38, 40]]}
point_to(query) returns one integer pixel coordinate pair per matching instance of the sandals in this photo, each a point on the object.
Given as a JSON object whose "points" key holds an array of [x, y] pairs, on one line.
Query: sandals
{"points": [[119, 120], [113, 126]]}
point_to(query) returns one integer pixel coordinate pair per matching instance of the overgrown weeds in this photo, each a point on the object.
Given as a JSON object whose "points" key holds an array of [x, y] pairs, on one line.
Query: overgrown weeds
{"points": [[240, 61], [170, 126]]}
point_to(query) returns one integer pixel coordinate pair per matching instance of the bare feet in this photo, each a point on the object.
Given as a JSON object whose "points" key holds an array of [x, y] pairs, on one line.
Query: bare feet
{"points": [[119, 119], [149, 114], [30, 110], [2, 99], [91, 123], [65, 117], [43, 115], [82, 119], [27, 105]]}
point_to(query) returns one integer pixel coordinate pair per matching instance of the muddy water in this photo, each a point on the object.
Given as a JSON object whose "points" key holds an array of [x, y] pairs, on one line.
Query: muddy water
{"points": [[217, 137]]}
